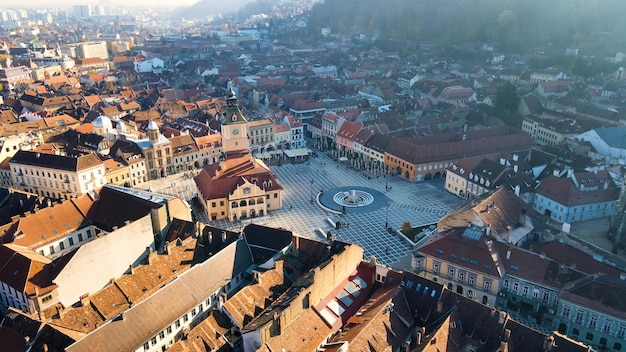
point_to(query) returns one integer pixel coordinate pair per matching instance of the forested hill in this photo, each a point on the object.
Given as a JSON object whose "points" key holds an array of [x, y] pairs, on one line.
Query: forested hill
{"points": [[511, 24]]}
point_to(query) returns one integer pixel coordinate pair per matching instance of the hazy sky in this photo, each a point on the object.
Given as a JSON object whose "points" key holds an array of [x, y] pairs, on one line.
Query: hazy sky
{"points": [[64, 3]]}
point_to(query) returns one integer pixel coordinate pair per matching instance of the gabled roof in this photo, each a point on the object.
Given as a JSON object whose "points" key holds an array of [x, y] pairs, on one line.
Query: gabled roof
{"points": [[604, 293], [218, 180], [421, 153], [59, 162], [349, 130], [251, 300], [563, 191], [147, 318], [498, 209], [613, 136]]}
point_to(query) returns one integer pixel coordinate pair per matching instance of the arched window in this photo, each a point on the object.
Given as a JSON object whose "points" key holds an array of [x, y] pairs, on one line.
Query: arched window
{"points": [[251, 202], [243, 203], [259, 201], [234, 205]]}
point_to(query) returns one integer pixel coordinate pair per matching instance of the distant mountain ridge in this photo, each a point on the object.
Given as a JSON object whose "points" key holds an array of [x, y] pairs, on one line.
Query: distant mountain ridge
{"points": [[208, 8]]}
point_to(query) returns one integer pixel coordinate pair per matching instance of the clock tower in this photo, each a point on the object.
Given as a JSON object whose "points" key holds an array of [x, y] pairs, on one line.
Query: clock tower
{"points": [[234, 128]]}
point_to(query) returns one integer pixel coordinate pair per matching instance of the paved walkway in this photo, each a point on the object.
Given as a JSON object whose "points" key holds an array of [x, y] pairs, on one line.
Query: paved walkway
{"points": [[419, 204]]}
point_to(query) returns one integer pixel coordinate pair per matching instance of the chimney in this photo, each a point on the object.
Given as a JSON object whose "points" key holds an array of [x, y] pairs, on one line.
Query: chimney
{"points": [[517, 190], [131, 270], [439, 307], [256, 276], [488, 230], [224, 236], [515, 168], [45, 347], [508, 233], [84, 300], [507, 335], [166, 247], [60, 311], [508, 254], [622, 276], [122, 315], [150, 254], [210, 236]]}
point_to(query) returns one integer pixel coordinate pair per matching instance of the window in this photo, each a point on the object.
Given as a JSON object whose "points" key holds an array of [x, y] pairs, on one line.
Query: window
{"points": [[46, 299], [575, 332], [617, 346], [462, 276], [487, 285], [607, 326], [61, 245], [71, 240], [589, 336], [80, 237], [525, 291], [153, 341], [185, 318], [470, 294], [546, 296], [471, 280], [162, 335], [88, 233], [451, 272], [566, 311], [169, 330], [193, 312], [579, 316], [621, 331], [506, 284], [436, 267], [177, 324], [515, 286], [146, 346], [593, 321]]}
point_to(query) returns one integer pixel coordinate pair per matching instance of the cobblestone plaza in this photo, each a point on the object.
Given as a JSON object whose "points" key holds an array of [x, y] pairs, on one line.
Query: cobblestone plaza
{"points": [[418, 203]]}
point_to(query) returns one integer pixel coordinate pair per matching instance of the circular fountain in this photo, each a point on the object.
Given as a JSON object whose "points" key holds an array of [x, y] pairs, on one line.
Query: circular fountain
{"points": [[353, 198]]}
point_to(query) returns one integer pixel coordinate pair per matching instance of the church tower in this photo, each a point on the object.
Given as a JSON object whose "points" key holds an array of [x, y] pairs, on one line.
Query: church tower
{"points": [[153, 132], [234, 128]]}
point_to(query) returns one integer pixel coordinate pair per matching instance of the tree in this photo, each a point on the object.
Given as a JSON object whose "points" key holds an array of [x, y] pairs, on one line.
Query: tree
{"points": [[506, 97], [406, 227]]}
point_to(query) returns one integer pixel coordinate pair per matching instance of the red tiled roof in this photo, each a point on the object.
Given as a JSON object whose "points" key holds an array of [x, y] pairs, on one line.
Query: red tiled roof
{"points": [[563, 191], [414, 154]]}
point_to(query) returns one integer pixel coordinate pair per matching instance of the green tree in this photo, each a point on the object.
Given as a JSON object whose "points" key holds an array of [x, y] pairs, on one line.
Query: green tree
{"points": [[506, 97], [406, 227]]}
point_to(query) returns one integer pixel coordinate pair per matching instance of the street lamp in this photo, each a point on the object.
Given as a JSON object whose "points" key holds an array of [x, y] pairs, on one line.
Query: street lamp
{"points": [[311, 190], [386, 181], [387, 215]]}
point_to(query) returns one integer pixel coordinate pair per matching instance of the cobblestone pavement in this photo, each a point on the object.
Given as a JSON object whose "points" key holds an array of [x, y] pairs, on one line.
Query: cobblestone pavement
{"points": [[419, 203]]}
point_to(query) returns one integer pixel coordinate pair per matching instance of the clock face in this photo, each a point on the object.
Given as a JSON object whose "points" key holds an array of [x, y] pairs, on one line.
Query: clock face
{"points": [[235, 131]]}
